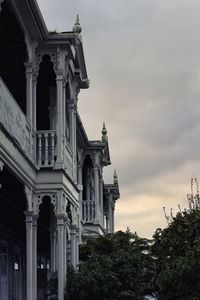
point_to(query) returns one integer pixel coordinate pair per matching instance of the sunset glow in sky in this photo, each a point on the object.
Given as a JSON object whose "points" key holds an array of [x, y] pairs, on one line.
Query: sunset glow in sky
{"points": [[143, 62]]}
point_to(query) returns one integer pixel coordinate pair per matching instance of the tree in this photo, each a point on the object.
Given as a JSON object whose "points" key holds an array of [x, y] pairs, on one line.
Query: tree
{"points": [[114, 266], [176, 252]]}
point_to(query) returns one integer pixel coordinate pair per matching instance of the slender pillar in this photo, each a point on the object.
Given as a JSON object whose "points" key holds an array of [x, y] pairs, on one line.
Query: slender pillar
{"points": [[29, 256], [77, 247], [80, 168], [29, 94], [96, 191], [110, 212], [34, 120], [101, 197], [34, 103], [60, 230], [34, 236], [63, 118], [113, 225], [65, 251], [80, 185], [29, 103], [71, 108], [107, 222], [72, 134], [60, 125], [73, 245]]}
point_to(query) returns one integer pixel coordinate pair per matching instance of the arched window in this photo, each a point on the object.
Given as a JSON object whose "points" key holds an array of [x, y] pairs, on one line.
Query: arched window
{"points": [[46, 95]]}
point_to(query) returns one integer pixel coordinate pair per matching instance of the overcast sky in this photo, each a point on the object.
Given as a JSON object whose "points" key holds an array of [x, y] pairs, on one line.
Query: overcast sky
{"points": [[143, 62]]}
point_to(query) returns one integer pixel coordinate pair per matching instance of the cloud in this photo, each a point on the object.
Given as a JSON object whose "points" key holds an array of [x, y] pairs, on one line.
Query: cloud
{"points": [[143, 61]]}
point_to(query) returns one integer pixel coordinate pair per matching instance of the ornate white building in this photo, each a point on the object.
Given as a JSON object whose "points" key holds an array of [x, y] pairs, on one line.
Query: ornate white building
{"points": [[51, 176]]}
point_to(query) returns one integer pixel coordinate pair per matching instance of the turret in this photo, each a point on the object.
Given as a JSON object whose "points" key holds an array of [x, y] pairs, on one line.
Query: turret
{"points": [[104, 133], [115, 178]]}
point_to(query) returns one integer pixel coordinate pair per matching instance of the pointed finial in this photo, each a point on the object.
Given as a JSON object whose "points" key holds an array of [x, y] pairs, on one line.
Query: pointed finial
{"points": [[77, 27], [104, 133], [115, 177]]}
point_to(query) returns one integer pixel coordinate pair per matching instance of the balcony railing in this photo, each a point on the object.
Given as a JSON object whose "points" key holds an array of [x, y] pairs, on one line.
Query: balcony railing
{"points": [[46, 142], [88, 211], [14, 120]]}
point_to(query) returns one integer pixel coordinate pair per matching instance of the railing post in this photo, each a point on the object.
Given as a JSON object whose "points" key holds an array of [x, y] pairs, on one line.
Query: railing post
{"points": [[39, 149], [52, 147], [46, 149]]}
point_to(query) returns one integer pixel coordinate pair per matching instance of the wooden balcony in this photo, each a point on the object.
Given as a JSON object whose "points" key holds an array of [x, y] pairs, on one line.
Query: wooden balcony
{"points": [[46, 141], [88, 211]]}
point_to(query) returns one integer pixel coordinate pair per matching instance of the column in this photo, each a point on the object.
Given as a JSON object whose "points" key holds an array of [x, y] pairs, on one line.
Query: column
{"points": [[34, 116], [113, 228], [80, 169], [77, 246], [29, 103], [29, 256], [80, 186], [65, 251], [60, 231], [63, 141], [110, 212], [60, 125], [73, 245], [101, 197], [72, 131], [34, 236], [96, 191], [34, 102], [107, 223], [29, 94], [64, 108]]}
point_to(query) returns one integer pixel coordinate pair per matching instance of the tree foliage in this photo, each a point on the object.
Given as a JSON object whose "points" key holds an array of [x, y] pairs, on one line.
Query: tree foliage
{"points": [[125, 266], [176, 252], [114, 266]]}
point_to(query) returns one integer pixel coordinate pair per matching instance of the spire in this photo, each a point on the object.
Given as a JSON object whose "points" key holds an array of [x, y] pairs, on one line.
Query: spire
{"points": [[115, 178], [77, 27], [104, 133]]}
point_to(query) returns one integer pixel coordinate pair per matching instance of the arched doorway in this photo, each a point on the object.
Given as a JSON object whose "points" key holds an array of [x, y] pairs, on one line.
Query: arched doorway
{"points": [[46, 246], [46, 95]]}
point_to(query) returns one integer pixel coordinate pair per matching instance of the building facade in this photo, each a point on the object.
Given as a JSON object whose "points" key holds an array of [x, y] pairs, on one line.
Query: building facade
{"points": [[51, 176]]}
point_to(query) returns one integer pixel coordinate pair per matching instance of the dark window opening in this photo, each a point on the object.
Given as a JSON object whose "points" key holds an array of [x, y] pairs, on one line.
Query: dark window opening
{"points": [[86, 167], [13, 54], [46, 95]]}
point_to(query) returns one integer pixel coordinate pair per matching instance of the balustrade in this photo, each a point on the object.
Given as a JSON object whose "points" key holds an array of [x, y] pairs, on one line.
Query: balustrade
{"points": [[88, 211], [13, 119], [46, 148]]}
